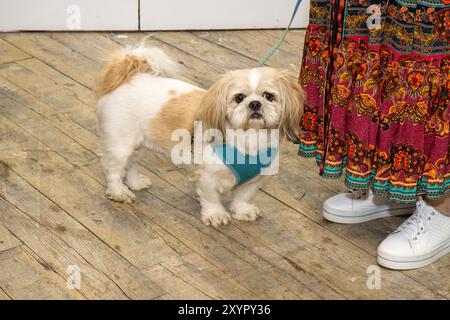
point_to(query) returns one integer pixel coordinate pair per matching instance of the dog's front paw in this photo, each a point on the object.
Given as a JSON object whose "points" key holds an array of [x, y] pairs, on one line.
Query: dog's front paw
{"points": [[245, 211], [215, 217], [138, 183], [120, 194]]}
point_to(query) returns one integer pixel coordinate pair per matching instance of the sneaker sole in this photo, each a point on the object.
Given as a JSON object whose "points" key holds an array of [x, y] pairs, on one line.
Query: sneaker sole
{"points": [[368, 217], [419, 262]]}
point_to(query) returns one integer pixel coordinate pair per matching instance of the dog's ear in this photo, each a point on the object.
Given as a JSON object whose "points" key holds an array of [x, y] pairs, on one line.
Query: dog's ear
{"points": [[292, 103], [213, 106]]}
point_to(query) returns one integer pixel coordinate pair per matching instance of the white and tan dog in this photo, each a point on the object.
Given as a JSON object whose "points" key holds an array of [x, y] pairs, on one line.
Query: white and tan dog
{"points": [[140, 106]]}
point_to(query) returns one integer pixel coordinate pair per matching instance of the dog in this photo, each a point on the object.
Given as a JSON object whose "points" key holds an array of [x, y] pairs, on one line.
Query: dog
{"points": [[141, 104]]}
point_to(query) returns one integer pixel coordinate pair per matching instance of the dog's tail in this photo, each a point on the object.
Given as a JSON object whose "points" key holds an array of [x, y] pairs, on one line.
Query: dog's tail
{"points": [[128, 61]]}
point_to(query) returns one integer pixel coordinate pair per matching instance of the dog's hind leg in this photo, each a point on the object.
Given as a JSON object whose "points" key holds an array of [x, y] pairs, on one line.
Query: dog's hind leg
{"points": [[134, 179], [116, 160]]}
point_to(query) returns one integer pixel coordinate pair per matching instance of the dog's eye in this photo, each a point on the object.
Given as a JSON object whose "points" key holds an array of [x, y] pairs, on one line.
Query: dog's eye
{"points": [[239, 97], [269, 96]]}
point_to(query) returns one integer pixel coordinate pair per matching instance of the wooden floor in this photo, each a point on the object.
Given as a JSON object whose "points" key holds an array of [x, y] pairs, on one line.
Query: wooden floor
{"points": [[53, 212]]}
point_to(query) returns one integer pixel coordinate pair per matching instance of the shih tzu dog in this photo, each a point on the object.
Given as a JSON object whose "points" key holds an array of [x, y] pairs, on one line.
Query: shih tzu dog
{"points": [[141, 106]]}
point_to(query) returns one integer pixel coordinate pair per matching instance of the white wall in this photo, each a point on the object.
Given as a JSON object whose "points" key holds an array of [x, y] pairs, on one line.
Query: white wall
{"points": [[220, 14], [154, 14], [61, 15]]}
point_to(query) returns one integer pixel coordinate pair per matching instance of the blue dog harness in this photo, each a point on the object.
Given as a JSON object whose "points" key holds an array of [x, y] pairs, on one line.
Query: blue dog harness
{"points": [[244, 166]]}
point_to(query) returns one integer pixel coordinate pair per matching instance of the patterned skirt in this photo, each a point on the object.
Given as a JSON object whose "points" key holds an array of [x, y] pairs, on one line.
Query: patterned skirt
{"points": [[377, 76]]}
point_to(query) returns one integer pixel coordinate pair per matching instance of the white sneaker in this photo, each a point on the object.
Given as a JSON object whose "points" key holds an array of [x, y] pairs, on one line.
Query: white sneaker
{"points": [[357, 207], [421, 239]]}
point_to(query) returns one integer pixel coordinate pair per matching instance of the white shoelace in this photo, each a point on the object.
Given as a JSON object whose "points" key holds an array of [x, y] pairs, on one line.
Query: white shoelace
{"points": [[417, 223]]}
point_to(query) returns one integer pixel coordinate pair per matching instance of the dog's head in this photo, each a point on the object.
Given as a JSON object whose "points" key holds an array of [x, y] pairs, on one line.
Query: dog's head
{"points": [[260, 98]]}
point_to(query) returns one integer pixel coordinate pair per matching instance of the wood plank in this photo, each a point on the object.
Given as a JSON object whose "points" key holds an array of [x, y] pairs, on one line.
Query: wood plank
{"points": [[54, 54], [42, 237], [7, 239], [217, 56], [293, 38], [3, 295], [95, 46], [262, 277], [10, 53], [178, 287], [77, 90], [254, 44], [198, 272], [23, 278], [99, 251], [165, 297]]}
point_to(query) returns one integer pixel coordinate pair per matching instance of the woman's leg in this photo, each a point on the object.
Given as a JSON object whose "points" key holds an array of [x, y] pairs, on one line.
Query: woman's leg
{"points": [[443, 205]]}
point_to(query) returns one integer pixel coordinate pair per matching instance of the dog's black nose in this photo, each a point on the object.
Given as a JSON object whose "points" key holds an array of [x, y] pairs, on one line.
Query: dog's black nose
{"points": [[254, 105]]}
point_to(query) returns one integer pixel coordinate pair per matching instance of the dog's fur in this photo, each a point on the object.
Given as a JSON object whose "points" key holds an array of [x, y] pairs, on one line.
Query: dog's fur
{"points": [[140, 106]]}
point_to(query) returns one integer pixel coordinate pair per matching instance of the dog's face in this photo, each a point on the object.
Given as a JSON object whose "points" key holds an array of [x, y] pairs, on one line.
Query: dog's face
{"points": [[253, 100], [260, 98]]}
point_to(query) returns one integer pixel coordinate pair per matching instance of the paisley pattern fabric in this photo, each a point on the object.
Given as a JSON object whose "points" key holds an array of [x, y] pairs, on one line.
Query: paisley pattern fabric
{"points": [[377, 76]]}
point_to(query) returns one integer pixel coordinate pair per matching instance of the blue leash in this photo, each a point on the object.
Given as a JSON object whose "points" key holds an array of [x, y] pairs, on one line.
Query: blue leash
{"points": [[266, 56]]}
